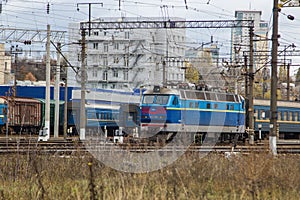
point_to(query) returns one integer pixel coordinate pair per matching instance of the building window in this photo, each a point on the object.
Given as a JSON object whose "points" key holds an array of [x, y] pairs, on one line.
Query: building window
{"points": [[115, 74], [105, 61], [96, 33], [126, 35], [116, 45], [95, 72], [126, 49], [104, 75], [105, 47], [5, 66], [125, 73], [95, 45], [116, 59], [126, 61]]}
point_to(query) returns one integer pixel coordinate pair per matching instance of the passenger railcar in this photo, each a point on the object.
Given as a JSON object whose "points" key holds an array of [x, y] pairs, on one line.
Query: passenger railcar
{"points": [[100, 117], [202, 113], [288, 118]]}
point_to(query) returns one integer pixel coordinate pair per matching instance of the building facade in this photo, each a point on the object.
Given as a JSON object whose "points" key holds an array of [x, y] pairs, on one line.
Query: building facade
{"points": [[240, 47], [127, 59], [6, 75]]}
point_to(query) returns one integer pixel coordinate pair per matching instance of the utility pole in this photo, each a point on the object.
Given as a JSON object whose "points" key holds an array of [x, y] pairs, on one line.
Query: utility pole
{"points": [[83, 90], [56, 94], [273, 108], [90, 12], [251, 80], [288, 82], [66, 104], [47, 102]]}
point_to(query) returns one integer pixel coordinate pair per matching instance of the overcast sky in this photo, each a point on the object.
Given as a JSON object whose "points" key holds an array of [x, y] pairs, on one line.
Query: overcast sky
{"points": [[32, 14]]}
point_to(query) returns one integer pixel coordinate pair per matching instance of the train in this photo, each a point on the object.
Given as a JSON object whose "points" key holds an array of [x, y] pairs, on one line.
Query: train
{"points": [[288, 119], [202, 114], [159, 114], [198, 114], [26, 114]]}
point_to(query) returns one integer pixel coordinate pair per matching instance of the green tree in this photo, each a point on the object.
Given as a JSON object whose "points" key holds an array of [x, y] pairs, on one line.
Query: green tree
{"points": [[192, 74]]}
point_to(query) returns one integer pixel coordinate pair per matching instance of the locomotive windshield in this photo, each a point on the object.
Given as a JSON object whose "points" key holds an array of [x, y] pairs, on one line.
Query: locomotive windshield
{"points": [[156, 99]]}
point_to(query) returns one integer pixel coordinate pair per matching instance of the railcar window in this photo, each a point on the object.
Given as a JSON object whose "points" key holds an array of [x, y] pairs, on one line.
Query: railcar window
{"points": [[191, 105], [296, 116], [267, 114], [200, 95], [285, 116], [196, 104], [215, 106], [211, 96], [227, 106], [291, 116], [182, 94], [208, 106], [231, 107], [191, 94], [222, 97], [279, 116], [230, 97]]}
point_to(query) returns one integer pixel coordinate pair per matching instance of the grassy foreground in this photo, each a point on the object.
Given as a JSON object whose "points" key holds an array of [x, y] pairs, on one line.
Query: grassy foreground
{"points": [[253, 176]]}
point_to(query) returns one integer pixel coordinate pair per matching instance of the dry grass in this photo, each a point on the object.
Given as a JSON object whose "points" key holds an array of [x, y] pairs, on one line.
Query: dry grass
{"points": [[253, 176]]}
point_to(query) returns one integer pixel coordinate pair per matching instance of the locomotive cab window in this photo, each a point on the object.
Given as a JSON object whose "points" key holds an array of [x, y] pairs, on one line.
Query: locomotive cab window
{"points": [[162, 99], [156, 99], [148, 99], [175, 101]]}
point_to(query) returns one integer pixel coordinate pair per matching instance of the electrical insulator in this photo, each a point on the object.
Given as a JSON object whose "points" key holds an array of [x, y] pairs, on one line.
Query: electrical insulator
{"points": [[48, 8]]}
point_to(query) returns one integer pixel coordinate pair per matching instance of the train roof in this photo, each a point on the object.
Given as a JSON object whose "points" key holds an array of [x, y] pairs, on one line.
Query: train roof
{"points": [[196, 94], [162, 90], [266, 102], [210, 96], [20, 99]]}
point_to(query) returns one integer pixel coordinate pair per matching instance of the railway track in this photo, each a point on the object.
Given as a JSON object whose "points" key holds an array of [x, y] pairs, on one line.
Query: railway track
{"points": [[25, 145]]}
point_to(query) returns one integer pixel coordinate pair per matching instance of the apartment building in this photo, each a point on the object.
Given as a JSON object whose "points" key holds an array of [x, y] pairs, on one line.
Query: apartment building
{"points": [[5, 66], [127, 59]]}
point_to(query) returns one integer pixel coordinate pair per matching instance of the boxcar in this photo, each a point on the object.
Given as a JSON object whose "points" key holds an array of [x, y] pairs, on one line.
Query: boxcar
{"points": [[23, 114]]}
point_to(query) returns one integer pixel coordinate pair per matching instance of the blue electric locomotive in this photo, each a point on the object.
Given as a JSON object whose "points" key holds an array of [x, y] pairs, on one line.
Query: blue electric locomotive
{"points": [[202, 113]]}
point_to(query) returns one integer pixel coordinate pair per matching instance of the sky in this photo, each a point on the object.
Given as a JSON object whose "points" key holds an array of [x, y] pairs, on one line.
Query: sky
{"points": [[32, 14]]}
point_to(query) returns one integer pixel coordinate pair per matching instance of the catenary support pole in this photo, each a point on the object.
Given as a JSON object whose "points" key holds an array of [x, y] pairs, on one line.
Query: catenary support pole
{"points": [[47, 102], [56, 94], [251, 81], [66, 104], [83, 80], [273, 108]]}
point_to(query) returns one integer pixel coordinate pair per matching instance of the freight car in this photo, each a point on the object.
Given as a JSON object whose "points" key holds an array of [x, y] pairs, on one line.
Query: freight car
{"points": [[23, 115]]}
